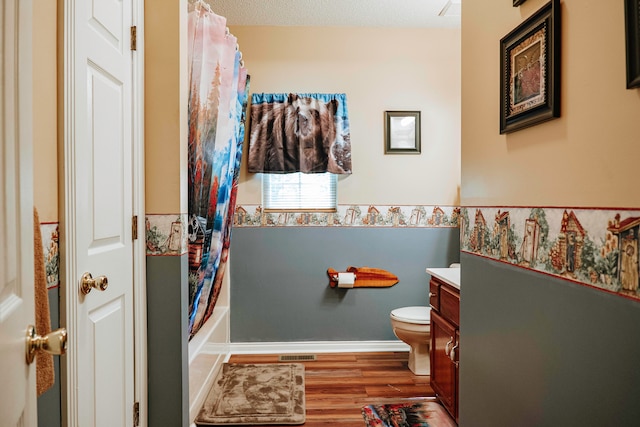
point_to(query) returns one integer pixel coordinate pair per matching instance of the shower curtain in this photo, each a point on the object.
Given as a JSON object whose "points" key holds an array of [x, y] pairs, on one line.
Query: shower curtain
{"points": [[218, 87]]}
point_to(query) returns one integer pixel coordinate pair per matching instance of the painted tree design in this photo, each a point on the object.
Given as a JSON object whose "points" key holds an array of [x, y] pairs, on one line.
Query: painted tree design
{"points": [[540, 216]]}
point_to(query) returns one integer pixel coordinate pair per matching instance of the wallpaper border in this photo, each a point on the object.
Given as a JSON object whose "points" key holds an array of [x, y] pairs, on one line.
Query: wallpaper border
{"points": [[50, 245], [596, 247], [166, 234], [430, 216]]}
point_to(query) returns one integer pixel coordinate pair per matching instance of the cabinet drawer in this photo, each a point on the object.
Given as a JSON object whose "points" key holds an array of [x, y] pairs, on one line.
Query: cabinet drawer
{"points": [[450, 305], [434, 294]]}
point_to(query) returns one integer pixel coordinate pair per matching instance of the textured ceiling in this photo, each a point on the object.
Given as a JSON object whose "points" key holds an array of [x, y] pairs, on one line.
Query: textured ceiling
{"points": [[359, 13]]}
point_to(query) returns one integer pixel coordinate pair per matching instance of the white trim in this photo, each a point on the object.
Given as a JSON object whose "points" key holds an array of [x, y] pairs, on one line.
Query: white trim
{"points": [[139, 247], [67, 221], [211, 346], [198, 395], [201, 342], [316, 347]]}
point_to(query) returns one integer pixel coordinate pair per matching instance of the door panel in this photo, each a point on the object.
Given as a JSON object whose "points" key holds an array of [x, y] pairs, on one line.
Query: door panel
{"points": [[108, 156], [100, 147], [17, 394], [105, 20], [110, 355]]}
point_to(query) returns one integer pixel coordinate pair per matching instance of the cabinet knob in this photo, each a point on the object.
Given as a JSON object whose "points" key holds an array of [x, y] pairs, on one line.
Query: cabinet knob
{"points": [[431, 295]]}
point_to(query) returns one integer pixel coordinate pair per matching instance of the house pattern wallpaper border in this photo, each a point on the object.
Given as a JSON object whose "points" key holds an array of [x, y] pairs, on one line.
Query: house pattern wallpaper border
{"points": [[351, 216], [169, 234], [166, 234], [593, 247], [50, 245]]}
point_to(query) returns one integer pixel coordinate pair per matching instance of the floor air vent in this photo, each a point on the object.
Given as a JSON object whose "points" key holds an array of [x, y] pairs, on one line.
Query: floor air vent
{"points": [[296, 357]]}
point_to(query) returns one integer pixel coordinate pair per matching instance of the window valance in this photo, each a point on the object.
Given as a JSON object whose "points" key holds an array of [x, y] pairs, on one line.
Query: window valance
{"points": [[307, 132]]}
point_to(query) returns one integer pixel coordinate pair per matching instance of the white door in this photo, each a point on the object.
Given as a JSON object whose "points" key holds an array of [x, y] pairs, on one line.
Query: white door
{"points": [[98, 203], [17, 393]]}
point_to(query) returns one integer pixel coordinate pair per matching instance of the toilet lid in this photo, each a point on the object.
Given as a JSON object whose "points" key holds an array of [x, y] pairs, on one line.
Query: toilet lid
{"points": [[419, 315]]}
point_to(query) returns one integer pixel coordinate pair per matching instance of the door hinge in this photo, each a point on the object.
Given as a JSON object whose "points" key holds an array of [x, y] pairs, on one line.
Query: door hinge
{"points": [[136, 414], [134, 37], [134, 227]]}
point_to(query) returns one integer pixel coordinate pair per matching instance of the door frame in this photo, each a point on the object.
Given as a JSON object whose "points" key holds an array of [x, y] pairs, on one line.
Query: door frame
{"points": [[66, 141], [139, 245]]}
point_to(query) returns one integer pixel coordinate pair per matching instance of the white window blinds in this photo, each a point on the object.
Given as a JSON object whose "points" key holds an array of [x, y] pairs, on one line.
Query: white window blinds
{"points": [[299, 191]]}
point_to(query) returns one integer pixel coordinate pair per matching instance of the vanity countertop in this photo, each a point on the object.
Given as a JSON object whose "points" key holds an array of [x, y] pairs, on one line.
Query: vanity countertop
{"points": [[448, 275]]}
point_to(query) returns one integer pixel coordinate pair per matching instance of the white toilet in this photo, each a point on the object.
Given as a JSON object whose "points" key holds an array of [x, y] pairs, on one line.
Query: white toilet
{"points": [[413, 326]]}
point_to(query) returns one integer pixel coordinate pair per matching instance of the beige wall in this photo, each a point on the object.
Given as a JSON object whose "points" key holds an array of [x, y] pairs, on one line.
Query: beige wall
{"points": [[587, 157], [165, 105], [166, 99], [45, 157], [378, 69]]}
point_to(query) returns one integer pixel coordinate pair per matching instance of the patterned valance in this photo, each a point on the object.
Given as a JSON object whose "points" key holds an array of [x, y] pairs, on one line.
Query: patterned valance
{"points": [[306, 132]]}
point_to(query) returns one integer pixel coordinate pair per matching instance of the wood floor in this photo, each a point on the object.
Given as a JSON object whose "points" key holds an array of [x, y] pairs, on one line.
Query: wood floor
{"points": [[338, 385]]}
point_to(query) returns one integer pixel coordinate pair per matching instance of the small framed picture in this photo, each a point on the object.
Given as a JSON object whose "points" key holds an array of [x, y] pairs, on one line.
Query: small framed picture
{"points": [[402, 132], [530, 71], [632, 26]]}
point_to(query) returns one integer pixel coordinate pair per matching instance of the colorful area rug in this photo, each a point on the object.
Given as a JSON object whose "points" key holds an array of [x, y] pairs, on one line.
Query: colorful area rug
{"points": [[256, 394], [412, 413]]}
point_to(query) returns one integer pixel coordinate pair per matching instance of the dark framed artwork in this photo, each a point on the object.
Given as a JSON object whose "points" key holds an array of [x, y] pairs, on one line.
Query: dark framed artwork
{"points": [[518, 2], [402, 132], [632, 23], [530, 71]]}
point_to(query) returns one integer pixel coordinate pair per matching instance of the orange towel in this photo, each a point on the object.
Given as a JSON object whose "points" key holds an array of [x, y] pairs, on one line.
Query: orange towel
{"points": [[366, 277], [45, 375]]}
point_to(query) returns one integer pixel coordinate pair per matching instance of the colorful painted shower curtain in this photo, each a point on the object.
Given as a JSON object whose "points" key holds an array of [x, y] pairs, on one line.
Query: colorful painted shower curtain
{"points": [[307, 132], [218, 86]]}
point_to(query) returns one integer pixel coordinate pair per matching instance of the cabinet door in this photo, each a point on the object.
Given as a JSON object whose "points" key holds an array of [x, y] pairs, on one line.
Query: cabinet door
{"points": [[456, 361], [443, 370]]}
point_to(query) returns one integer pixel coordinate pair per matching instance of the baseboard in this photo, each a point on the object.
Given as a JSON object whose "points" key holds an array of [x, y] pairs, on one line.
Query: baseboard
{"points": [[316, 347]]}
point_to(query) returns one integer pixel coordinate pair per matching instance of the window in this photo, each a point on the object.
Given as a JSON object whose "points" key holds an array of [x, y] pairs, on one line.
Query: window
{"points": [[299, 191]]}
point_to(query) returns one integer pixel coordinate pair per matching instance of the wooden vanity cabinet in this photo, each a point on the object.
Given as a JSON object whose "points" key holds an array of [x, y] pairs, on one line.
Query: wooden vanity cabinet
{"points": [[445, 343]]}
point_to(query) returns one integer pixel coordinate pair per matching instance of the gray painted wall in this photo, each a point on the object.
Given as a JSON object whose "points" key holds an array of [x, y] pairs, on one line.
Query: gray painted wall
{"points": [[167, 341], [49, 404], [540, 351], [280, 290]]}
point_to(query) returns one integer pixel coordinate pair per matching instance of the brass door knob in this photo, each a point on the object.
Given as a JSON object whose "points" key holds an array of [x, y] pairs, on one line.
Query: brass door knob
{"points": [[88, 282], [53, 343]]}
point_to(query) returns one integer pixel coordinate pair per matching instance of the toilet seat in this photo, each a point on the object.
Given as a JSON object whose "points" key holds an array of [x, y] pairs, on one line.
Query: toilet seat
{"points": [[416, 315]]}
